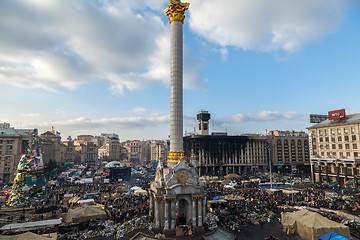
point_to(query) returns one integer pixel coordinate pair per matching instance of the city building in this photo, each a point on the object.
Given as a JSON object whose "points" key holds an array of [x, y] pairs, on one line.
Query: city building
{"points": [[133, 149], [13, 142], [51, 142], [289, 152], [112, 150], [220, 154], [334, 148], [85, 150], [203, 117], [159, 150], [67, 152]]}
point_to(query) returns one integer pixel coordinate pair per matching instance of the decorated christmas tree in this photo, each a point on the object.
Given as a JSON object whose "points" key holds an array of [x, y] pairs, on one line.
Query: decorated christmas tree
{"points": [[29, 182]]}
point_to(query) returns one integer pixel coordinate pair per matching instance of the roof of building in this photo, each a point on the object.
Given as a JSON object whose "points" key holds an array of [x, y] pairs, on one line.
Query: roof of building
{"points": [[349, 119], [47, 133], [15, 132]]}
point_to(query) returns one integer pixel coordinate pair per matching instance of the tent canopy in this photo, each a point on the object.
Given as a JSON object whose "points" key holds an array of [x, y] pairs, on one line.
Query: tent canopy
{"points": [[139, 192], [333, 236], [29, 236], [218, 198], [85, 213], [232, 175], [310, 225]]}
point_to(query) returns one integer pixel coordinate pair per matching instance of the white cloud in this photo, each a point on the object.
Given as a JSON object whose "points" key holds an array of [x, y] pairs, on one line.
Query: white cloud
{"points": [[239, 118], [54, 44], [265, 25], [264, 116], [267, 116], [108, 123], [138, 110]]}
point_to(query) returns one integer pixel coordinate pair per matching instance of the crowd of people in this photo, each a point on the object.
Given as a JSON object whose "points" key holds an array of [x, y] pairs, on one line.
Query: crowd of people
{"points": [[248, 203]]}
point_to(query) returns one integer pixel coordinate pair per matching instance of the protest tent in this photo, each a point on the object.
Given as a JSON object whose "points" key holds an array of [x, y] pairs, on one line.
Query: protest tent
{"points": [[333, 236], [310, 225], [232, 175], [29, 236], [218, 198], [135, 188], [84, 213], [139, 192]]}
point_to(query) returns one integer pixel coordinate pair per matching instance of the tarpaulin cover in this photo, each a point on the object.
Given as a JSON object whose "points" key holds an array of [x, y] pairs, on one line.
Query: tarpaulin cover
{"points": [[310, 225], [333, 236]]}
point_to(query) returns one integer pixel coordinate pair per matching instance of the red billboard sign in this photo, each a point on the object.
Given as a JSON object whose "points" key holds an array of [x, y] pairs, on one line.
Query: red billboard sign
{"points": [[337, 114]]}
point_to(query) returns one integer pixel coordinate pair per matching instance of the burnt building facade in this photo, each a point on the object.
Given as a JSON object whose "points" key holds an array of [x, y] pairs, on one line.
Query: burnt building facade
{"points": [[220, 155]]}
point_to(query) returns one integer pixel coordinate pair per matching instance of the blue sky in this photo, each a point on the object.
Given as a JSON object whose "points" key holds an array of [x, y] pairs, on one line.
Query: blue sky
{"points": [[102, 66]]}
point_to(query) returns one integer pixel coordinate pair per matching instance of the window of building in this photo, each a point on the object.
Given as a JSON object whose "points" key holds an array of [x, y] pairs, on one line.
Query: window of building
{"points": [[353, 137], [339, 139], [332, 131], [327, 146], [322, 154], [1, 141], [9, 141], [340, 146], [313, 133], [347, 146], [0, 152], [339, 130], [334, 154], [326, 132], [346, 130], [314, 140], [321, 146], [321, 132], [356, 154], [333, 139], [348, 154], [326, 139], [346, 138], [333, 146], [354, 146], [341, 154], [321, 139], [328, 154], [352, 129]]}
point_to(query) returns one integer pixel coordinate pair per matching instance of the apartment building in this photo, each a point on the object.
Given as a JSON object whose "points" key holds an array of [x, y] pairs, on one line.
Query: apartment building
{"points": [[289, 151], [334, 148], [13, 142]]}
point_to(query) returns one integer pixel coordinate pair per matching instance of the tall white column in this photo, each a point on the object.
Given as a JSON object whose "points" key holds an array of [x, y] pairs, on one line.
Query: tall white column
{"points": [[167, 218], [199, 213], [158, 213], [193, 212], [176, 87], [203, 208], [173, 213]]}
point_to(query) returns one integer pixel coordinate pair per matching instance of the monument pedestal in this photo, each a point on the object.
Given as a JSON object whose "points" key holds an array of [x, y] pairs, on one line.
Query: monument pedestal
{"points": [[169, 232], [198, 230]]}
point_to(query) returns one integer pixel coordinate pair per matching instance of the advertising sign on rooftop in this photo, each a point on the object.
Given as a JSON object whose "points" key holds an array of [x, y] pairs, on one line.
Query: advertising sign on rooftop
{"points": [[337, 114]]}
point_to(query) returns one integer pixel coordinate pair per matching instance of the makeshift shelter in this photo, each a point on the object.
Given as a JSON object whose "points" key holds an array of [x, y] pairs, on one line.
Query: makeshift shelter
{"points": [[139, 192], [29, 236], [135, 188], [232, 175], [122, 189], [74, 199], [310, 225], [218, 198], [333, 236], [85, 213]]}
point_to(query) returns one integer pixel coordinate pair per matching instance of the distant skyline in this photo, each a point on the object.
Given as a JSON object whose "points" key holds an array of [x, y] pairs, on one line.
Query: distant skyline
{"points": [[92, 67]]}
